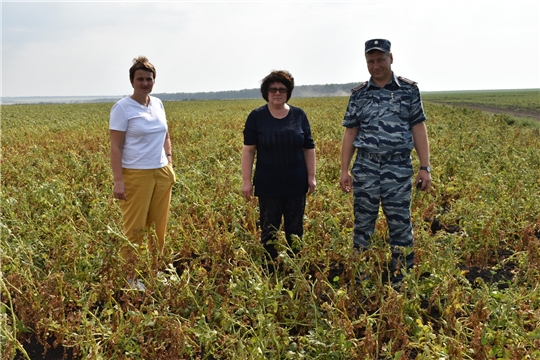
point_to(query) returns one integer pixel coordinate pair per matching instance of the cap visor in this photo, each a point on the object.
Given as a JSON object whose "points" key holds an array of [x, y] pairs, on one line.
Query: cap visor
{"points": [[376, 48]]}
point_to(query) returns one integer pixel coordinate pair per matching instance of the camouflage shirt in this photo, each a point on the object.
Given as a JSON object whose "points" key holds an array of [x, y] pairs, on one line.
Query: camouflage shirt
{"points": [[385, 116]]}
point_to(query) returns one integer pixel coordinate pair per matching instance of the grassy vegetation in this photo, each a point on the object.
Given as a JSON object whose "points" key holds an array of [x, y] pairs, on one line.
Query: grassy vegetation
{"points": [[527, 100], [474, 294], [520, 107]]}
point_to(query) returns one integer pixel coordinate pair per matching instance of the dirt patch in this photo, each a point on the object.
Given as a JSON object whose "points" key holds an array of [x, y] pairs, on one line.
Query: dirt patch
{"points": [[494, 110], [38, 351]]}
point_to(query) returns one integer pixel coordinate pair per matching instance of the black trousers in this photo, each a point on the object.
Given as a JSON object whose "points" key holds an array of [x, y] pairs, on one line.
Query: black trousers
{"points": [[272, 210]]}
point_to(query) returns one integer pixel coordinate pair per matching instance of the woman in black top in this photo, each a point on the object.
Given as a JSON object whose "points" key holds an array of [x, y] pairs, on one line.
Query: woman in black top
{"points": [[280, 136]]}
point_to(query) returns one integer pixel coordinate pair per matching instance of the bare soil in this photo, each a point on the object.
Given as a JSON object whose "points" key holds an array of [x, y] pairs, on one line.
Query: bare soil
{"points": [[494, 110], [38, 351]]}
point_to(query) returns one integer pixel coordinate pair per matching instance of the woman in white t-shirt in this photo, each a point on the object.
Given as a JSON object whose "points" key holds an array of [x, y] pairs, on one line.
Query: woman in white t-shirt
{"points": [[141, 161]]}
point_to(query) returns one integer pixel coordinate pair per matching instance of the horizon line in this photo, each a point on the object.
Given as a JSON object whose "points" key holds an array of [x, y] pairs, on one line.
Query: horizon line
{"points": [[250, 89]]}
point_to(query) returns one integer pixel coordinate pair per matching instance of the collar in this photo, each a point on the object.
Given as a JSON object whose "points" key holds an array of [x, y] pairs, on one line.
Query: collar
{"points": [[393, 80]]}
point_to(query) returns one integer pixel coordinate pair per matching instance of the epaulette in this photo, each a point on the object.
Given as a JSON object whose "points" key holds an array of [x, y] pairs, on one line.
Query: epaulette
{"points": [[407, 81], [359, 87]]}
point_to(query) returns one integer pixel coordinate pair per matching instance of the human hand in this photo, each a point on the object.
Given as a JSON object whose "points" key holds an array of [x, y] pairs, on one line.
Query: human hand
{"points": [[312, 185], [423, 181], [119, 191], [247, 190], [345, 182]]}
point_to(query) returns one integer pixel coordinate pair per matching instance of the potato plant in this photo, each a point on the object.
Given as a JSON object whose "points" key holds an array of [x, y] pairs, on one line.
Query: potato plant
{"points": [[527, 99], [473, 294]]}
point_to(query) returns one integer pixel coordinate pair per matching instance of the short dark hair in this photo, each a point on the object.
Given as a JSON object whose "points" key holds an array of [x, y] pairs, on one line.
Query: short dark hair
{"points": [[281, 76], [141, 63]]}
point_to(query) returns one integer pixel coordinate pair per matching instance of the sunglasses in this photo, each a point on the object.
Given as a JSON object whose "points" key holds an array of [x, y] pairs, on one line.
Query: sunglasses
{"points": [[275, 90]]}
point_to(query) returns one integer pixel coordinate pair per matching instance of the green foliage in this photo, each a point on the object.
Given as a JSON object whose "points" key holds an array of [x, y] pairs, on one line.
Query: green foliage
{"points": [[474, 293], [507, 99]]}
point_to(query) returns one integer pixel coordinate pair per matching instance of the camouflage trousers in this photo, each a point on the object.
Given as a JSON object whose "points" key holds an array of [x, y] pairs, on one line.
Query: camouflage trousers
{"points": [[384, 180]]}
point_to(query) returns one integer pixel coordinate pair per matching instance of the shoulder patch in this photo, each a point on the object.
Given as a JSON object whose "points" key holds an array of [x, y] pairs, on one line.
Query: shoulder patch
{"points": [[407, 81], [359, 87]]}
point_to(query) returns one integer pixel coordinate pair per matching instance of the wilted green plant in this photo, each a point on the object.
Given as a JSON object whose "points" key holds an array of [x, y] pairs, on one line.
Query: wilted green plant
{"points": [[473, 294]]}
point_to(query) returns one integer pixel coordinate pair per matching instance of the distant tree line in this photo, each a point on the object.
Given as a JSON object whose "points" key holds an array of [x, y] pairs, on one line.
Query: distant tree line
{"points": [[299, 91]]}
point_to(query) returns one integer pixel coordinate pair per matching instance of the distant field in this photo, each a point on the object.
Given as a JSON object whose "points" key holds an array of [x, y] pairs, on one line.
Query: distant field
{"points": [[522, 100], [474, 293]]}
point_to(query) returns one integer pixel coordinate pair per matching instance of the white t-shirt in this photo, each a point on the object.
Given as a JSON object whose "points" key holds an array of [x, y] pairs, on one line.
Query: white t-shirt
{"points": [[145, 128]]}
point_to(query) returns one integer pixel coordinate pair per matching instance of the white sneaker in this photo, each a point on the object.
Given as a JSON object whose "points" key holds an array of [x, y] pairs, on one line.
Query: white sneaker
{"points": [[136, 284]]}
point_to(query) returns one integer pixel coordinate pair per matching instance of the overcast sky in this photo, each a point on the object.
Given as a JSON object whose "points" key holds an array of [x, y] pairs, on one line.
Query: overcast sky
{"points": [[86, 48]]}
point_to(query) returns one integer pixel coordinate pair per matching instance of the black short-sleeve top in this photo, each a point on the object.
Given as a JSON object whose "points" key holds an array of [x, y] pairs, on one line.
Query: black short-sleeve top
{"points": [[280, 169]]}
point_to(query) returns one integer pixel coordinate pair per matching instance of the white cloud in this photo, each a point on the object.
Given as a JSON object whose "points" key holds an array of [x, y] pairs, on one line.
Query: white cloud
{"points": [[62, 49]]}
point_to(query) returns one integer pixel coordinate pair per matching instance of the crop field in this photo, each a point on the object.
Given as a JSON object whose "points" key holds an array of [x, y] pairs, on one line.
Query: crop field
{"points": [[473, 294], [520, 103], [511, 99]]}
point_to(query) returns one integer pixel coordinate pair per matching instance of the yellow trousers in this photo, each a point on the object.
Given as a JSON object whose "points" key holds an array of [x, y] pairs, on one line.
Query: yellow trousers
{"points": [[148, 194]]}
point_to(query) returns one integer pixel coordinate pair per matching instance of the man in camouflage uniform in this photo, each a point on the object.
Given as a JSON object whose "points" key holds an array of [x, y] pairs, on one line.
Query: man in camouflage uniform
{"points": [[384, 121]]}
